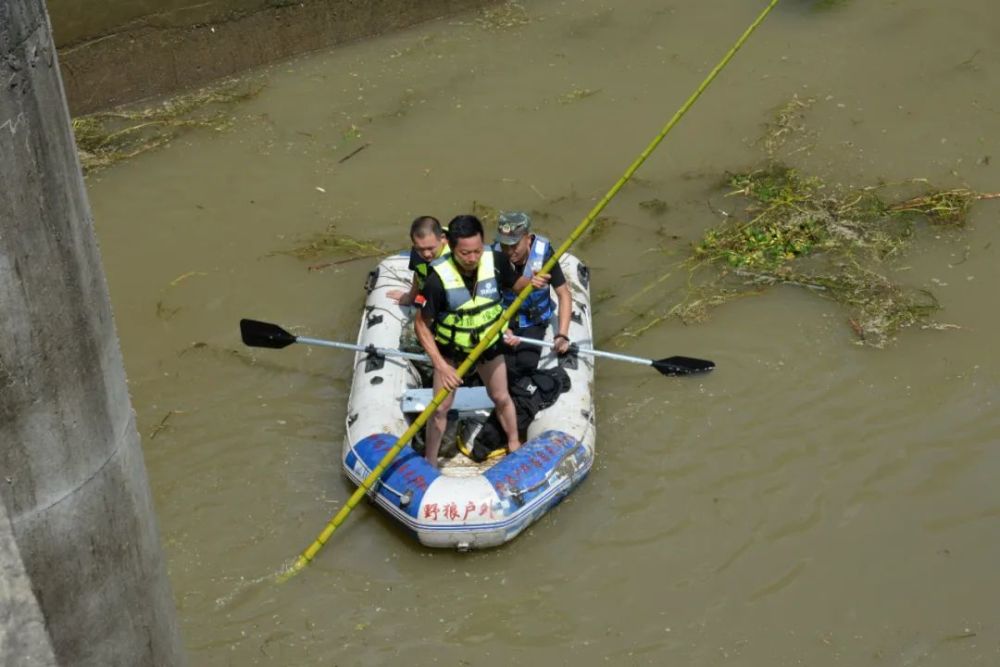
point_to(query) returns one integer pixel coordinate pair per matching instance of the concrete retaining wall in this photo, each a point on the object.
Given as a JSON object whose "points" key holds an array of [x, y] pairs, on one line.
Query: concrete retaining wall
{"points": [[72, 480]]}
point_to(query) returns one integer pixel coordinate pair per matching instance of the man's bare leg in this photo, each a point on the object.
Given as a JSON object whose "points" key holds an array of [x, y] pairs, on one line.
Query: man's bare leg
{"points": [[436, 424], [494, 375]]}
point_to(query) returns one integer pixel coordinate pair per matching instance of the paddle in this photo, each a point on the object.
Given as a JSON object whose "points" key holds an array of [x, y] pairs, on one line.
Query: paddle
{"points": [[668, 366], [265, 334]]}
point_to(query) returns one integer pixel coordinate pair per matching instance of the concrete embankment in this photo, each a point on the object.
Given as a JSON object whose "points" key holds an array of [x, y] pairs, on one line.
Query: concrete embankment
{"points": [[116, 52], [79, 545]]}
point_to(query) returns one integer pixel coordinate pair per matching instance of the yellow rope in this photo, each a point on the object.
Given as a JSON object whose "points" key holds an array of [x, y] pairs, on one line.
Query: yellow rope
{"points": [[366, 486]]}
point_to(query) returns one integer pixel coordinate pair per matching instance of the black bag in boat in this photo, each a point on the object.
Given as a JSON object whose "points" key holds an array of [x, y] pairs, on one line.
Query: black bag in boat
{"points": [[531, 394]]}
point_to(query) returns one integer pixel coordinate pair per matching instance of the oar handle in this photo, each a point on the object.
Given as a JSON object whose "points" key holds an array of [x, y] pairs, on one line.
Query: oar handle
{"points": [[592, 352], [370, 349]]}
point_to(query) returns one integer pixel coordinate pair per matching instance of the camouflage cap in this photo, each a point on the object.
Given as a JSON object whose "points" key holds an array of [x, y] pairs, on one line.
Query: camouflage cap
{"points": [[512, 226]]}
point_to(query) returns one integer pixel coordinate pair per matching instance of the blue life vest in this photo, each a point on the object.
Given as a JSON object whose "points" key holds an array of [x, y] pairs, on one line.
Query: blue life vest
{"points": [[538, 307]]}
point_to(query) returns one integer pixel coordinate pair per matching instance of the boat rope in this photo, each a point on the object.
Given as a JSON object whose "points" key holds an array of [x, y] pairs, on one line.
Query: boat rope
{"points": [[307, 556]]}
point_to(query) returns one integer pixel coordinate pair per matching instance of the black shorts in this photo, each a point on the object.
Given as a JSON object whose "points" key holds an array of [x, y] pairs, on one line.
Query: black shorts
{"points": [[456, 356]]}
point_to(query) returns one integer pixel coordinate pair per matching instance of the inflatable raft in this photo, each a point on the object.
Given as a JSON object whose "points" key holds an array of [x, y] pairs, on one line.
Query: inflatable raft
{"points": [[464, 504]]}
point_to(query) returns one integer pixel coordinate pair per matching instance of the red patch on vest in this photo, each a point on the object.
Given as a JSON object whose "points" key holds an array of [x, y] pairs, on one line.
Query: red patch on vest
{"points": [[420, 300]]}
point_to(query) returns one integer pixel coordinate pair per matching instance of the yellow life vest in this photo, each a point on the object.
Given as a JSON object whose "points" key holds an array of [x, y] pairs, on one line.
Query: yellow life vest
{"points": [[468, 316], [420, 273]]}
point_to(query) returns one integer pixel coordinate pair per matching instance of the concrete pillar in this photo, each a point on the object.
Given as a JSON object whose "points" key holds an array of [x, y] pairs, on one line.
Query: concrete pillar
{"points": [[23, 640], [72, 479]]}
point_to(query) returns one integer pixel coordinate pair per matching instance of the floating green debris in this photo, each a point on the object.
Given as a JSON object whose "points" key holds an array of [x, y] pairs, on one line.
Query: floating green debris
{"points": [[504, 16], [162, 425], [694, 308], [576, 95], [604, 295], [656, 207], [795, 231], [165, 312], [820, 5], [599, 228], [352, 133], [108, 137], [879, 308], [944, 208], [331, 242], [788, 121], [791, 216], [487, 214]]}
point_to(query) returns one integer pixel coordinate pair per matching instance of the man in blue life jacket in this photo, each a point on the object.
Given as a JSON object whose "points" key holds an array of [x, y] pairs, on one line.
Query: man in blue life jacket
{"points": [[460, 301], [528, 252], [428, 243]]}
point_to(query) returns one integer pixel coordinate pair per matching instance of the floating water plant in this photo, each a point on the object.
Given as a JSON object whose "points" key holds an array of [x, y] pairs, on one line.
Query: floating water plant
{"points": [[576, 95], [487, 214], [108, 137], [788, 216], [504, 16], [599, 228], [788, 121], [794, 230], [331, 242], [945, 208], [656, 207], [820, 5], [838, 243]]}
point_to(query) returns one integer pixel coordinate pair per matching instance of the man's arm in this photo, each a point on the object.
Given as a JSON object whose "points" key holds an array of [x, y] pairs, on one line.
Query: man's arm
{"points": [[426, 338], [538, 281], [565, 313], [404, 298], [448, 377]]}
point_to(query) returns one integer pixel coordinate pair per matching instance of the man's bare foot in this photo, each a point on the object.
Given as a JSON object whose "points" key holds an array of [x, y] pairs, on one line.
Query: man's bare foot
{"points": [[513, 447]]}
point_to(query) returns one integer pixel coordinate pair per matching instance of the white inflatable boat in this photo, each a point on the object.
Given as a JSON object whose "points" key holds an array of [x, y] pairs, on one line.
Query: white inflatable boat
{"points": [[464, 505]]}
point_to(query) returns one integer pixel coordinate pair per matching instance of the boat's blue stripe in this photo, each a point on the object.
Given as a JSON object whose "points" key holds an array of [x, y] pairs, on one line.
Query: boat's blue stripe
{"points": [[409, 473], [524, 474], [523, 515], [522, 478]]}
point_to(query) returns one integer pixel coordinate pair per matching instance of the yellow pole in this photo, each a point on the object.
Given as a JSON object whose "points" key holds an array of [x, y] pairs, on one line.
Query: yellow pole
{"points": [[306, 557]]}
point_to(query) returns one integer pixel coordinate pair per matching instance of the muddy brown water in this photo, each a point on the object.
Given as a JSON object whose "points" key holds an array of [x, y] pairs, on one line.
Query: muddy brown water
{"points": [[811, 502]]}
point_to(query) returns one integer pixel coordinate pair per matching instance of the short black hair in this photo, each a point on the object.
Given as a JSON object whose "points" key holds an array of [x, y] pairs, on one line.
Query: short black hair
{"points": [[424, 225], [462, 227]]}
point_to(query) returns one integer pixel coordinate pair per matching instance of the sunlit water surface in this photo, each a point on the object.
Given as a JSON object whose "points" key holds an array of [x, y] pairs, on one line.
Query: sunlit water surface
{"points": [[811, 502]]}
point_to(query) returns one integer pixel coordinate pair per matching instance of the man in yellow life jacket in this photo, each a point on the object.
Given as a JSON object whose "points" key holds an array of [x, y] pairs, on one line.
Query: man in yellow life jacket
{"points": [[460, 301], [429, 243]]}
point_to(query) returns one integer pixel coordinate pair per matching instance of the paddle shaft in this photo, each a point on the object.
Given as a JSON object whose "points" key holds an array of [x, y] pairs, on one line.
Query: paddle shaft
{"points": [[378, 351], [592, 352]]}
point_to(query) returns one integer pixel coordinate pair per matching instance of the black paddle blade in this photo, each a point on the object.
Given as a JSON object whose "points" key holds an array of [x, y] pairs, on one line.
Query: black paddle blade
{"points": [[683, 365], [264, 334]]}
